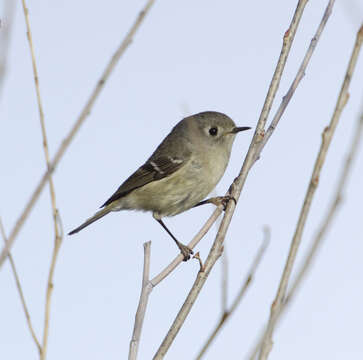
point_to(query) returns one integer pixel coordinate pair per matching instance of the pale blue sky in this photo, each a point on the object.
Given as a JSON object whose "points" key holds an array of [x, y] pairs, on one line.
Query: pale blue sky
{"points": [[199, 55]]}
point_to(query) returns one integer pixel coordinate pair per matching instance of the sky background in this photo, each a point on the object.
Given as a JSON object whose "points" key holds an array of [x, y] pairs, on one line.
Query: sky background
{"points": [[187, 57]]}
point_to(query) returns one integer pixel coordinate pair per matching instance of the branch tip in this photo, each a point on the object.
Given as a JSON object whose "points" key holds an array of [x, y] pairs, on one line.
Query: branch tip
{"points": [[197, 256]]}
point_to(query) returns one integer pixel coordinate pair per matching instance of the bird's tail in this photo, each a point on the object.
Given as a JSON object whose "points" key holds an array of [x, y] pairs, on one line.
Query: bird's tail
{"points": [[92, 219]]}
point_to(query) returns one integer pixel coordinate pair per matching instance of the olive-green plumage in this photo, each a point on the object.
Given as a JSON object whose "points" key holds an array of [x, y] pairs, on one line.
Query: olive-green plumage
{"points": [[181, 172]]}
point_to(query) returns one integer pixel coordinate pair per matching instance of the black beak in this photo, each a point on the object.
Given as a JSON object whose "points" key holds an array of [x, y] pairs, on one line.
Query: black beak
{"points": [[238, 129]]}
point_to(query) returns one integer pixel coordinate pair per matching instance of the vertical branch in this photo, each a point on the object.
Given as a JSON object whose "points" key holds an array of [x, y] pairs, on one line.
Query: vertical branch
{"points": [[141, 309], [337, 201], [58, 238], [252, 271], [188, 303], [68, 139], [49, 291], [326, 140], [236, 187], [148, 285], [6, 25], [224, 271], [276, 78], [320, 235], [245, 285], [224, 282], [300, 74], [21, 294]]}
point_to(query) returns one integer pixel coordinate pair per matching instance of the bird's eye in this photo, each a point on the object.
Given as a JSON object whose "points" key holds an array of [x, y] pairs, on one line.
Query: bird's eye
{"points": [[213, 131]]}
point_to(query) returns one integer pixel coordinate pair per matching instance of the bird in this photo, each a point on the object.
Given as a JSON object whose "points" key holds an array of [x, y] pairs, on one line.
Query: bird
{"points": [[180, 173]]}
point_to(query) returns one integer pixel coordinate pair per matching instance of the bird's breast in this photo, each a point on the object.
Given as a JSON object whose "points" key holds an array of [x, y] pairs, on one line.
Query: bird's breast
{"points": [[181, 190]]}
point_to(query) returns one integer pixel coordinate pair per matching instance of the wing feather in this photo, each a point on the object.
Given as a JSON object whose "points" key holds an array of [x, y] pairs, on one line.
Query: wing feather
{"points": [[155, 168]]}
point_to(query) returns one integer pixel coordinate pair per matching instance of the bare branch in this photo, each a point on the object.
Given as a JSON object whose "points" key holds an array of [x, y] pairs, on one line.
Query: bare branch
{"points": [[318, 240], [256, 262], [337, 201], [224, 282], [68, 139], [275, 82], [184, 311], [57, 239], [245, 285], [205, 228], [21, 294], [236, 187], [5, 35], [141, 309], [287, 41], [148, 285], [326, 140], [50, 287], [300, 74], [224, 271]]}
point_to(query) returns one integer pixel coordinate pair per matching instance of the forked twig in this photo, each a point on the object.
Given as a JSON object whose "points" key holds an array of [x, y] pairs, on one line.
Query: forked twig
{"points": [[141, 309], [245, 285], [148, 285], [300, 74], [236, 187], [318, 240], [179, 259], [326, 140], [275, 82], [68, 139], [57, 237], [20, 291]]}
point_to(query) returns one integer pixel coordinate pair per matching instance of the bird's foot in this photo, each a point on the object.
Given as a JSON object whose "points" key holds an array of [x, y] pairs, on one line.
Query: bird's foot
{"points": [[222, 200], [186, 251]]}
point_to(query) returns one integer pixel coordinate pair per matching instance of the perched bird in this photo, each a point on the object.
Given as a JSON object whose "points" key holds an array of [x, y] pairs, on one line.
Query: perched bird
{"points": [[182, 171]]}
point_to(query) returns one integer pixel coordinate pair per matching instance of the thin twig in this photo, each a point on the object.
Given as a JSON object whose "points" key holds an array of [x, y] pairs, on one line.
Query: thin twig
{"points": [[236, 187], [150, 284], [163, 274], [57, 239], [224, 281], [326, 140], [245, 285], [300, 74], [48, 296], [20, 291], [224, 272], [260, 253], [320, 235], [275, 82], [184, 311], [311, 254], [287, 41], [141, 309], [6, 24], [68, 139], [205, 228]]}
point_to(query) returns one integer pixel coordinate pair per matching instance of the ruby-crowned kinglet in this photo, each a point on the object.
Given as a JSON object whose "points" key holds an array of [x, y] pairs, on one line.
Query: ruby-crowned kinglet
{"points": [[182, 171]]}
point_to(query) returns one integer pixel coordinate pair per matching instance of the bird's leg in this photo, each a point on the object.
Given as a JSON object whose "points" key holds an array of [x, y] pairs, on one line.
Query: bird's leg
{"points": [[218, 200], [185, 250]]}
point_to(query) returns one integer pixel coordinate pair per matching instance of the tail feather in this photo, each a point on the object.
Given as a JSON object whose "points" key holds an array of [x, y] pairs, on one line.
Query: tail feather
{"points": [[95, 217]]}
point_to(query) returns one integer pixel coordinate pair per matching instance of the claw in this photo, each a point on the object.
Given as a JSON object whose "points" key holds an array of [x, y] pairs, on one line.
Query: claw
{"points": [[186, 251], [226, 199], [222, 200], [217, 201]]}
